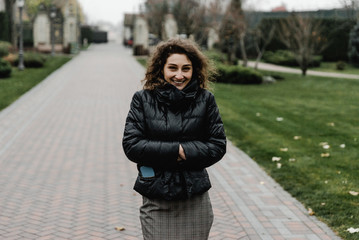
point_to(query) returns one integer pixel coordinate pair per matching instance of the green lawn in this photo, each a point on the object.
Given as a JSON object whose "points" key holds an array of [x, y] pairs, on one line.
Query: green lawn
{"points": [[22, 81], [316, 113], [331, 67]]}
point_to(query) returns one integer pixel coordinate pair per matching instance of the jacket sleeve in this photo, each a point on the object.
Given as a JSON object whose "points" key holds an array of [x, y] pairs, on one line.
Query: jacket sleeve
{"points": [[202, 154], [139, 148]]}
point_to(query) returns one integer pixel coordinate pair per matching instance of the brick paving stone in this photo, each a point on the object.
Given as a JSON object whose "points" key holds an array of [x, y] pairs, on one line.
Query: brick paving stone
{"points": [[63, 173]]}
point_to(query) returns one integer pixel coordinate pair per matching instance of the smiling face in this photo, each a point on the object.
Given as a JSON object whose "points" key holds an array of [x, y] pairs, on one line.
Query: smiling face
{"points": [[178, 70]]}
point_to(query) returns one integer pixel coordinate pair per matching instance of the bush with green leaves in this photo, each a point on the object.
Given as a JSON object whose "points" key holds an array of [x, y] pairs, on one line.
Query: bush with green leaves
{"points": [[32, 60], [5, 69], [340, 65], [4, 48], [216, 56], [287, 58], [238, 75]]}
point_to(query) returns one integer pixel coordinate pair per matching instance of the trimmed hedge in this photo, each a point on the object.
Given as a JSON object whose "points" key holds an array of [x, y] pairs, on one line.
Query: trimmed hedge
{"points": [[4, 48], [4, 27], [5, 69], [32, 60], [238, 75], [287, 58]]}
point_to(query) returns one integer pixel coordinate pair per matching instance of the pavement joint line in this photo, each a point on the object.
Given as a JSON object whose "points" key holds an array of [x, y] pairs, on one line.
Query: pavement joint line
{"points": [[27, 121], [239, 203]]}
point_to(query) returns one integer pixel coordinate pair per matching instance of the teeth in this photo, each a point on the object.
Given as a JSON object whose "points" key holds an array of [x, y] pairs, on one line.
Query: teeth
{"points": [[178, 81]]}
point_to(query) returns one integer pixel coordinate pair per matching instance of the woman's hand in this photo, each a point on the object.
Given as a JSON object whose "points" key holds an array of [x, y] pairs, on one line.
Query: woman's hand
{"points": [[181, 154]]}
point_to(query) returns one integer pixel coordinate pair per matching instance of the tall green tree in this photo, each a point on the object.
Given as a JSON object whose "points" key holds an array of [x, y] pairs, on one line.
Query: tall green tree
{"points": [[32, 6]]}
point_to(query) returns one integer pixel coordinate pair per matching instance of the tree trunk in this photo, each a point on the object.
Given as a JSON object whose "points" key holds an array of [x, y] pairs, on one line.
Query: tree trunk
{"points": [[243, 50], [259, 57], [304, 71]]}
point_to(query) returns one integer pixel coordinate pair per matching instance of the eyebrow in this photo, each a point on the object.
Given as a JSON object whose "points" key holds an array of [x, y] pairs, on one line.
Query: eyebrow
{"points": [[185, 65]]}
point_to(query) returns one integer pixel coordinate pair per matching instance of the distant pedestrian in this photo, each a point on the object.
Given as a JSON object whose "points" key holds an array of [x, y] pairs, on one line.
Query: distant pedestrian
{"points": [[174, 132]]}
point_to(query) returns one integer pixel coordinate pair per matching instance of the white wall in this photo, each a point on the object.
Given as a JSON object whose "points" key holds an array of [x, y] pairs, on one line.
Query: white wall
{"points": [[42, 30], [2, 5]]}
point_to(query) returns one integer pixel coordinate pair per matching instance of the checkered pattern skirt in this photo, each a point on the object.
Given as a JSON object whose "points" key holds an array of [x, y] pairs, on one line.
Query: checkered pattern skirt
{"points": [[185, 219]]}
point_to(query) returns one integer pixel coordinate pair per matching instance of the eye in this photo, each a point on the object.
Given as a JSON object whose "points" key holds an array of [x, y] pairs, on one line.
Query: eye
{"points": [[186, 69], [173, 68]]}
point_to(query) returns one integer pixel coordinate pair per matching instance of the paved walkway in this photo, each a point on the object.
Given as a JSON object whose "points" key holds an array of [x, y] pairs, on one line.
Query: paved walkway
{"points": [[63, 173], [272, 67]]}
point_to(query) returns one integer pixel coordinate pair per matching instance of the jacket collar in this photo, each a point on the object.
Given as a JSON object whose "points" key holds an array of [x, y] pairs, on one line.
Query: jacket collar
{"points": [[173, 97]]}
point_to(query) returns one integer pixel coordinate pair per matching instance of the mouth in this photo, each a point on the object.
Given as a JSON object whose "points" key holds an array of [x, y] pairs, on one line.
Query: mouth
{"points": [[179, 82]]}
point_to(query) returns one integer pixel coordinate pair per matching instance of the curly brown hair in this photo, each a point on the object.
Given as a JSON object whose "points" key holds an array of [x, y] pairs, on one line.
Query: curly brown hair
{"points": [[202, 69]]}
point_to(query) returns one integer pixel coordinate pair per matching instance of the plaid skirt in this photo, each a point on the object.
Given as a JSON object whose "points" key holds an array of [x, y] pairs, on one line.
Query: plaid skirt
{"points": [[184, 219]]}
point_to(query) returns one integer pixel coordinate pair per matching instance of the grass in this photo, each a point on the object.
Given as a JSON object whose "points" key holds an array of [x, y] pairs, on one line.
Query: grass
{"points": [[331, 67], [317, 110], [22, 81]]}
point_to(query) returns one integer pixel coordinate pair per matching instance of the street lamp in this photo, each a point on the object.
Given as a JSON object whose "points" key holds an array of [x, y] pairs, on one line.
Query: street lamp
{"points": [[20, 5], [53, 16]]}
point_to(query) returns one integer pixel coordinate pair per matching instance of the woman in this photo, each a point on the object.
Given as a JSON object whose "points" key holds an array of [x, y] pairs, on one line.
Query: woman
{"points": [[173, 132]]}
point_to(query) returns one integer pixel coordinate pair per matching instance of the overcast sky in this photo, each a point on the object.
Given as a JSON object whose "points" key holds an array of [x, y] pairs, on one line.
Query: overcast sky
{"points": [[113, 10]]}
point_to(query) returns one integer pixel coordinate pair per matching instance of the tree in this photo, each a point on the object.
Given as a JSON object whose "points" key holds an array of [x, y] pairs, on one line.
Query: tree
{"points": [[261, 41], [191, 16], [351, 6], [32, 6], [233, 31], [353, 52], [156, 11], [302, 36]]}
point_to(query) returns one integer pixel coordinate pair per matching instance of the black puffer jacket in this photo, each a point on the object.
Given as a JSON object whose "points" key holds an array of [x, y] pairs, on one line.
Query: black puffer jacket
{"points": [[162, 119]]}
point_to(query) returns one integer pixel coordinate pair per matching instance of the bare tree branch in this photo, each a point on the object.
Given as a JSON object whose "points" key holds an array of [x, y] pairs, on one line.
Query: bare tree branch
{"points": [[302, 36]]}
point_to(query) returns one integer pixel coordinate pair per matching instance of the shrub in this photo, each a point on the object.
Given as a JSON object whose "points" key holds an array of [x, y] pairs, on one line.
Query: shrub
{"points": [[10, 58], [4, 48], [5, 69], [238, 75], [216, 56], [287, 58], [32, 60], [340, 65]]}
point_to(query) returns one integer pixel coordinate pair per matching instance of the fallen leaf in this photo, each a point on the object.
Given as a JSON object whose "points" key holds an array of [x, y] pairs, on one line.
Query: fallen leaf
{"points": [[258, 114], [291, 159], [342, 145], [323, 143], [283, 149], [353, 230], [311, 212], [326, 181], [276, 159], [297, 137], [331, 124], [262, 183], [326, 146], [354, 193], [279, 119], [325, 155], [323, 204], [119, 229], [279, 165]]}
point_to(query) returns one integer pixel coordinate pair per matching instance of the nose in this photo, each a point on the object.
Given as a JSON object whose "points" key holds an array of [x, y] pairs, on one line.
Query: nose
{"points": [[179, 75]]}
